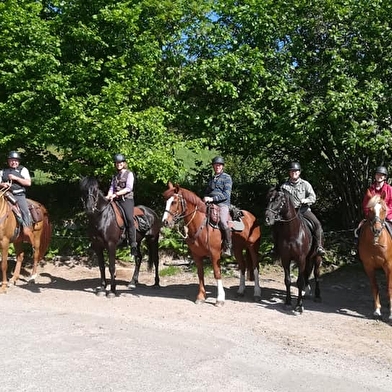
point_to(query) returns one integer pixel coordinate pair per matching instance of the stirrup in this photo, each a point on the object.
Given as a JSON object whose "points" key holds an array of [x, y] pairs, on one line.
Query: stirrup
{"points": [[320, 250]]}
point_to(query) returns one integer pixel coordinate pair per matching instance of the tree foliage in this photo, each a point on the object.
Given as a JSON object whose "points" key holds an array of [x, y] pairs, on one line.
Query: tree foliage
{"points": [[262, 82]]}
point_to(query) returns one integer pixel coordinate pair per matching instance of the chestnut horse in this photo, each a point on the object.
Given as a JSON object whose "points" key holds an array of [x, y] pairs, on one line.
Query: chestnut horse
{"points": [[205, 240], [375, 250], [106, 231], [11, 232], [293, 242]]}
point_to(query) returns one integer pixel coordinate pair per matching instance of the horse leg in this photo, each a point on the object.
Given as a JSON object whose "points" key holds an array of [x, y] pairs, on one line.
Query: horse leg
{"points": [[4, 264], [253, 261], [36, 254], [388, 275], [112, 270], [239, 257], [371, 273], [138, 261], [316, 273], [220, 299], [101, 290], [201, 296], [299, 308], [287, 281], [153, 256], [19, 260]]}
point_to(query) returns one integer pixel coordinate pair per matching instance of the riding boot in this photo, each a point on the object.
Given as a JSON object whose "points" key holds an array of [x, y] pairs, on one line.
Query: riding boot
{"points": [[226, 246], [132, 240]]}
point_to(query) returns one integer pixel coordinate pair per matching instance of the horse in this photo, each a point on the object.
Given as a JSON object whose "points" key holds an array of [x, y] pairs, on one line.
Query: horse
{"points": [[205, 240], [11, 231], [106, 231], [293, 242], [375, 250]]}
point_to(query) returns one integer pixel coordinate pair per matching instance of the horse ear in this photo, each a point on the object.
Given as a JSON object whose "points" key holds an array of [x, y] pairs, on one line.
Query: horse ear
{"points": [[169, 185], [177, 187]]}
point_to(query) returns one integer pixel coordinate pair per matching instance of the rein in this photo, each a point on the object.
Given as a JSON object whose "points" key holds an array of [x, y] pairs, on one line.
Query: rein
{"points": [[177, 216], [278, 216], [94, 196]]}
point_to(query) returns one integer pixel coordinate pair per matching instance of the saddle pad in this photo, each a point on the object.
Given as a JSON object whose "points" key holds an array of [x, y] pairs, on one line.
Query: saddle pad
{"points": [[237, 225]]}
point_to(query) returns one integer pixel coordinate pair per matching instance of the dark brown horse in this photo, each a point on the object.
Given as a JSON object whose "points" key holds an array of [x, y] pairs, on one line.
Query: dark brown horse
{"points": [[106, 230], [375, 250], [293, 243], [12, 232], [205, 240]]}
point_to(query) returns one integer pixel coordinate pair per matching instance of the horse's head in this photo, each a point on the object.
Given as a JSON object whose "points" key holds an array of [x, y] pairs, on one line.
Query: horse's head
{"points": [[91, 195], [175, 205], [377, 214], [180, 204], [276, 206]]}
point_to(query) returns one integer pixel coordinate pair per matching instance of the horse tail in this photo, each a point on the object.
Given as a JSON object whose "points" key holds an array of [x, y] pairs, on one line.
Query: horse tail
{"points": [[46, 234]]}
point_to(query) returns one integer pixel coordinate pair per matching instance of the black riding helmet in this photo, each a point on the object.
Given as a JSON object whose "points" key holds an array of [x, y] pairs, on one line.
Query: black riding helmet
{"points": [[14, 155], [295, 166], [381, 170], [218, 160], [119, 158]]}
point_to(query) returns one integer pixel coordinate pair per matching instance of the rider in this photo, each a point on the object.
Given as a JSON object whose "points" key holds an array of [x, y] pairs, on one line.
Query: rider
{"points": [[303, 197], [219, 192], [17, 178], [379, 186], [121, 190]]}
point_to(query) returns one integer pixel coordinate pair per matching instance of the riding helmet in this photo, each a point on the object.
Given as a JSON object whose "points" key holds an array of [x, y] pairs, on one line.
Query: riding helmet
{"points": [[119, 158], [382, 170], [14, 155], [295, 166], [218, 160]]}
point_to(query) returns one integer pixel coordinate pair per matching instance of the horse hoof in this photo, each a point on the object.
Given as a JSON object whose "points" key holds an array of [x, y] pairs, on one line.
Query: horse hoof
{"points": [[200, 301], [110, 294], [219, 304], [100, 292], [257, 298], [298, 310], [31, 281], [132, 286]]}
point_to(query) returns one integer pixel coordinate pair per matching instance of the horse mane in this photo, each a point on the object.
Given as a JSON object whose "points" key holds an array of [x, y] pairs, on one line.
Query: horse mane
{"points": [[375, 200], [86, 183], [188, 195]]}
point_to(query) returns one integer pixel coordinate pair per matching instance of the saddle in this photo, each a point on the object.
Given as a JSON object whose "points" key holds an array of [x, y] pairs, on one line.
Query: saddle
{"points": [[236, 223], [34, 209], [143, 223]]}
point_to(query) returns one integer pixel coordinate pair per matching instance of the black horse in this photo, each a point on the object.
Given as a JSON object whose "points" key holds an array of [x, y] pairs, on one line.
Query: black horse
{"points": [[293, 242], [106, 231]]}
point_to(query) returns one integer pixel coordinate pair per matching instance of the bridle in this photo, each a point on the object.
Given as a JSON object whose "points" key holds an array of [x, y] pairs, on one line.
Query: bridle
{"points": [[92, 201], [381, 225], [182, 214], [277, 212]]}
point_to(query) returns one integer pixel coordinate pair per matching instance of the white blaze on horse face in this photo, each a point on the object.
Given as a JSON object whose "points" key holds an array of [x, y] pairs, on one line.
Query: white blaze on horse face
{"points": [[167, 208], [377, 209]]}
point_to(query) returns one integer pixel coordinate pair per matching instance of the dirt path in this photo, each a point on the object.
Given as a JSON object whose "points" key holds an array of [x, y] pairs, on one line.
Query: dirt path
{"points": [[60, 336]]}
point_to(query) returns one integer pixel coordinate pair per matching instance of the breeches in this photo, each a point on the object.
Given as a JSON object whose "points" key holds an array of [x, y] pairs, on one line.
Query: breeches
{"points": [[318, 230], [224, 216], [24, 209], [128, 206]]}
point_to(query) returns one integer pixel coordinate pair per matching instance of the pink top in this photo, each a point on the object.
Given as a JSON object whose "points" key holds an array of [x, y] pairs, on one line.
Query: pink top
{"points": [[388, 198]]}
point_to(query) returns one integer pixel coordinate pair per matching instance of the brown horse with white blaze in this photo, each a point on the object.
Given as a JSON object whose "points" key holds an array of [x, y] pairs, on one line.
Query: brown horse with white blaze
{"points": [[375, 250], [11, 232], [205, 240]]}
